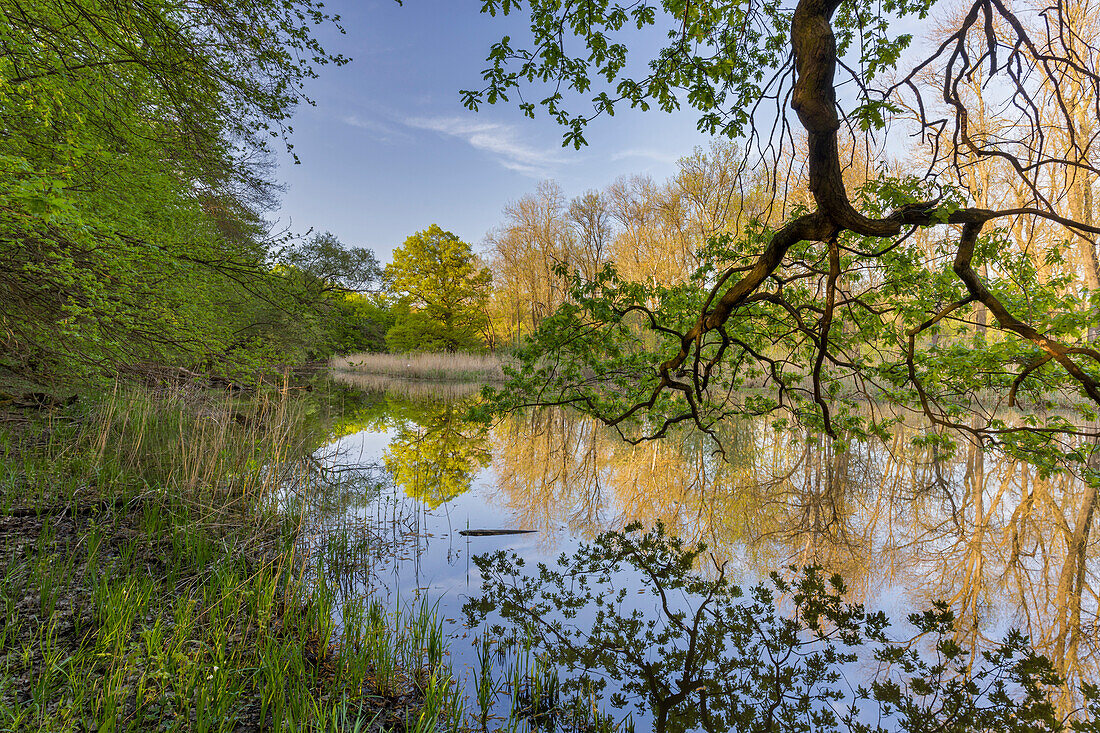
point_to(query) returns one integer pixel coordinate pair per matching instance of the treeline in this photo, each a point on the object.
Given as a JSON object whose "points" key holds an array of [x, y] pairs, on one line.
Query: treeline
{"points": [[651, 231], [664, 233], [668, 234], [441, 296], [135, 177]]}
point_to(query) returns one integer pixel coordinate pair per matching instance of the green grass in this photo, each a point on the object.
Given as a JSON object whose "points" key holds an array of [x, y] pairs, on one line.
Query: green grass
{"points": [[148, 581]]}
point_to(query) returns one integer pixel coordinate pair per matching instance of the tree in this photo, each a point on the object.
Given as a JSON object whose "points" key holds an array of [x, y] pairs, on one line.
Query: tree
{"points": [[134, 174], [526, 250], [442, 293], [870, 293], [590, 218], [337, 306], [332, 267]]}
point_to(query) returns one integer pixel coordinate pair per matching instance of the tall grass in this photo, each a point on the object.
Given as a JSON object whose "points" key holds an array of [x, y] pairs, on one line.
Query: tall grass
{"points": [[425, 390], [441, 366], [150, 579]]}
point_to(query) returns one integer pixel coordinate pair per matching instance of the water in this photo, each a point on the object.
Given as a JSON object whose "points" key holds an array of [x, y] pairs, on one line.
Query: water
{"points": [[902, 525]]}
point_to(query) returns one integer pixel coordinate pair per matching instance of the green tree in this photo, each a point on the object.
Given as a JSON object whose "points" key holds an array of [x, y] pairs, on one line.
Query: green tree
{"points": [[339, 308], [134, 177], [442, 293], [332, 267]]}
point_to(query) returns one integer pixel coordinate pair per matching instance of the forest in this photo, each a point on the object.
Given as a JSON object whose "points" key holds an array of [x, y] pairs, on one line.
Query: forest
{"points": [[850, 343]]}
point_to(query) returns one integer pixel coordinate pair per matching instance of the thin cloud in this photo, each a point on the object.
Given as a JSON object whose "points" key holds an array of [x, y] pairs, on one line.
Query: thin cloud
{"points": [[380, 130], [654, 155], [500, 140]]}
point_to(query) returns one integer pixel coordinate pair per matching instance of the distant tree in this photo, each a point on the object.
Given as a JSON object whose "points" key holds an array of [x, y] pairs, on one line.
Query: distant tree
{"points": [[362, 323], [333, 266], [590, 219], [525, 251], [341, 285], [442, 293], [323, 298]]}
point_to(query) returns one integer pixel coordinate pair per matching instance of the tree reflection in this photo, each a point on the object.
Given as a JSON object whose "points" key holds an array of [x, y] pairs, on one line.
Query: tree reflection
{"points": [[436, 450], [1002, 540], [629, 621], [990, 533]]}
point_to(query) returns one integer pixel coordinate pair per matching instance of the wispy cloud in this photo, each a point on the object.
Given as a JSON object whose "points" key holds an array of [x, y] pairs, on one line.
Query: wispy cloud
{"points": [[380, 130], [501, 140], [655, 155]]}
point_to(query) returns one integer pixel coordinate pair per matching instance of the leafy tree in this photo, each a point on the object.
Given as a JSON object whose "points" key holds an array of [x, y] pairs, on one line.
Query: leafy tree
{"points": [[360, 323], [338, 304], [836, 296], [442, 293], [134, 176], [330, 266]]}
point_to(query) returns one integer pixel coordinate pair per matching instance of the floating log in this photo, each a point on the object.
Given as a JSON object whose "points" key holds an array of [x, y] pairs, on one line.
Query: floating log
{"points": [[493, 532]]}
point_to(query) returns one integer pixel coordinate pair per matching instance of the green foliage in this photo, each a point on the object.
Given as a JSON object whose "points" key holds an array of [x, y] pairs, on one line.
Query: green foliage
{"points": [[634, 619], [133, 177], [718, 59], [327, 265], [335, 306], [359, 323], [442, 294]]}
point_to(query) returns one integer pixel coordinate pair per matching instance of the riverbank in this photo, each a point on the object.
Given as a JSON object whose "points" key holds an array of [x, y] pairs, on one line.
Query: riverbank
{"points": [[458, 367], [150, 578]]}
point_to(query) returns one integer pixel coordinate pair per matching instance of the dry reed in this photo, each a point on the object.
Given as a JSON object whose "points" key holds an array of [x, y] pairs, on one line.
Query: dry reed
{"points": [[452, 367], [415, 389]]}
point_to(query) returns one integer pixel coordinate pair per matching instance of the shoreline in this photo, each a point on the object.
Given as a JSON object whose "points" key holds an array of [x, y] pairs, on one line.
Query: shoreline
{"points": [[148, 581]]}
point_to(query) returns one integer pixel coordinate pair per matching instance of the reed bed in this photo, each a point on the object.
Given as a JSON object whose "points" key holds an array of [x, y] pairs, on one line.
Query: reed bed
{"points": [[430, 366], [415, 389], [150, 578]]}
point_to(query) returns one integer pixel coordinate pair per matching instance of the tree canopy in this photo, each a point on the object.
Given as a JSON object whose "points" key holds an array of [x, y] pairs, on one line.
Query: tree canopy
{"points": [[134, 175], [442, 293], [941, 286]]}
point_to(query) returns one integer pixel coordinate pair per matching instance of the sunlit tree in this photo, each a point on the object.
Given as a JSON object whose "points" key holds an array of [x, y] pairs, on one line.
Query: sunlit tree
{"points": [[442, 293]]}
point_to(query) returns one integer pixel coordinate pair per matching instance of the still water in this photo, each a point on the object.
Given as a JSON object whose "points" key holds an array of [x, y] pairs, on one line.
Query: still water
{"points": [[902, 525]]}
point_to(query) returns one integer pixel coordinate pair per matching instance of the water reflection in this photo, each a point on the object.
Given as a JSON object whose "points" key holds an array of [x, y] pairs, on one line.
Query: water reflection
{"points": [[903, 524], [687, 652], [434, 453], [978, 529]]}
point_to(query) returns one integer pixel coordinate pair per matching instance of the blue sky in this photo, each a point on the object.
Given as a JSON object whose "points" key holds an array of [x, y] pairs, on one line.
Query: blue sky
{"points": [[388, 149]]}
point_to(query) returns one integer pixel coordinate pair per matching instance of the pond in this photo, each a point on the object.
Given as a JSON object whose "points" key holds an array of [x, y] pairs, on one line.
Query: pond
{"points": [[424, 491]]}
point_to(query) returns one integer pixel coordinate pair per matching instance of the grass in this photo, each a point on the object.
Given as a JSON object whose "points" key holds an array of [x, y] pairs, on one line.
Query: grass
{"points": [[150, 578], [458, 367], [423, 390]]}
